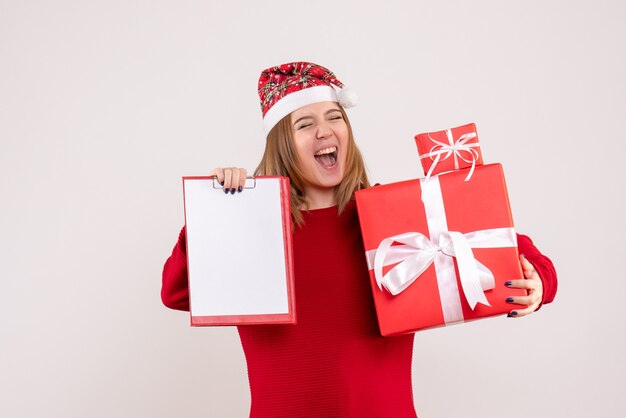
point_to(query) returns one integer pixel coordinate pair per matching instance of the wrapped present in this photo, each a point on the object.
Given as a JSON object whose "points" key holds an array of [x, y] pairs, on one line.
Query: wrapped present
{"points": [[451, 149], [444, 250]]}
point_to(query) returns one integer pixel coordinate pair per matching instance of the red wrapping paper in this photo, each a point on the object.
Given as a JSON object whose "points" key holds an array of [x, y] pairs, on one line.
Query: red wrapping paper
{"points": [[479, 204], [467, 149]]}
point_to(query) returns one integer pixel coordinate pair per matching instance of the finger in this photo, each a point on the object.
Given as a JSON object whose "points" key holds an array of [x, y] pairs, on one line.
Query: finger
{"points": [[518, 313], [533, 297], [520, 300], [521, 284], [228, 175], [234, 185], [219, 173], [242, 179]]}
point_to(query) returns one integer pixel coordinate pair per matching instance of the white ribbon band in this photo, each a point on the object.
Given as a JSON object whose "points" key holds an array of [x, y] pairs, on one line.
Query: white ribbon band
{"points": [[453, 148], [417, 252]]}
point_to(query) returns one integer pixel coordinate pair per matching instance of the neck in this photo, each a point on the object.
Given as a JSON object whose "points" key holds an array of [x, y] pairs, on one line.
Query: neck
{"points": [[319, 198]]}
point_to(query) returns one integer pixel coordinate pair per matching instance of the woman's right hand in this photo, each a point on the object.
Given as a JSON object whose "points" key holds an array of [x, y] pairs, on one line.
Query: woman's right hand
{"points": [[231, 178]]}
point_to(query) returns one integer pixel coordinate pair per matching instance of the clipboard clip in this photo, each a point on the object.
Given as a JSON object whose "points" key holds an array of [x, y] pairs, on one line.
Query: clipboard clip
{"points": [[250, 183]]}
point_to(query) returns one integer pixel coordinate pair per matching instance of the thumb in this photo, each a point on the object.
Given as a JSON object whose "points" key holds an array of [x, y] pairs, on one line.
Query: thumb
{"points": [[526, 266]]}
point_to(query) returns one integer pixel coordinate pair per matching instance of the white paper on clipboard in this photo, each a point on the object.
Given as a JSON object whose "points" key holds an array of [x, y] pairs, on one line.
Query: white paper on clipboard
{"points": [[239, 252]]}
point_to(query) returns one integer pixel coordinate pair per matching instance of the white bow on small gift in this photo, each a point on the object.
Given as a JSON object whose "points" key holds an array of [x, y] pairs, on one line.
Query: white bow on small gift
{"points": [[453, 148]]}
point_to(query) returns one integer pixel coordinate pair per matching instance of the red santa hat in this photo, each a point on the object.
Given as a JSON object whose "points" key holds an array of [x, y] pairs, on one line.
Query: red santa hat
{"points": [[287, 87]]}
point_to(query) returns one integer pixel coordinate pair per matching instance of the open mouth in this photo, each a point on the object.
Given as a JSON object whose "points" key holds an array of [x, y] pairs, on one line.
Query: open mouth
{"points": [[327, 157]]}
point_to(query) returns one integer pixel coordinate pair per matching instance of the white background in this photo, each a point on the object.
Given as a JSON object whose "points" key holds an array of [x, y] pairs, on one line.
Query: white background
{"points": [[105, 105]]}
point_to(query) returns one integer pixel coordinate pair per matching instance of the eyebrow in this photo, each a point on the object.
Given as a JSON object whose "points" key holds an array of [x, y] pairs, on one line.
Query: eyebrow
{"points": [[310, 117]]}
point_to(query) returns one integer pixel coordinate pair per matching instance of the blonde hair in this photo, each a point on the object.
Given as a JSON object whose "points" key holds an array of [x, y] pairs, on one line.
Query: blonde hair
{"points": [[280, 159]]}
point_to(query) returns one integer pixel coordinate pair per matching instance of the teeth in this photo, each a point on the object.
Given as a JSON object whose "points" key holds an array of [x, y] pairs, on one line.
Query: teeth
{"points": [[326, 151]]}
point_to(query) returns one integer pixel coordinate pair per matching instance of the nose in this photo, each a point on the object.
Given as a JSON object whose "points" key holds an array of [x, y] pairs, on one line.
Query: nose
{"points": [[323, 131]]}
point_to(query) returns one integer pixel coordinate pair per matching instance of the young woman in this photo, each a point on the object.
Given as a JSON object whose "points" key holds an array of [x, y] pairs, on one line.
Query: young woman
{"points": [[333, 362]]}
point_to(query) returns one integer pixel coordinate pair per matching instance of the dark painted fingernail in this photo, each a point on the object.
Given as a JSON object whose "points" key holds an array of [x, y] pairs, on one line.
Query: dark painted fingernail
{"points": [[514, 313], [240, 189], [221, 183], [232, 191], [507, 283], [509, 300], [226, 191]]}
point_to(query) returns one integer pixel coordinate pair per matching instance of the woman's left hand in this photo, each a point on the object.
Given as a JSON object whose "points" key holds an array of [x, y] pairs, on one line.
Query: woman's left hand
{"points": [[534, 286]]}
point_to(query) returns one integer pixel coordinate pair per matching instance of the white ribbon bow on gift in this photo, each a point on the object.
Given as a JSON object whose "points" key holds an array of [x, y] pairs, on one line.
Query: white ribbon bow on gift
{"points": [[418, 252], [453, 148]]}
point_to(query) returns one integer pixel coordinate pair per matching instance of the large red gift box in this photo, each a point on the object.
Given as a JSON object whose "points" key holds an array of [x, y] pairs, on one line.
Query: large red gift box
{"points": [[439, 249], [450, 149]]}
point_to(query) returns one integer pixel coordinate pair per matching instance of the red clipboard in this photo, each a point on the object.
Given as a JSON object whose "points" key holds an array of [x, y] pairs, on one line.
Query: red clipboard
{"points": [[239, 252]]}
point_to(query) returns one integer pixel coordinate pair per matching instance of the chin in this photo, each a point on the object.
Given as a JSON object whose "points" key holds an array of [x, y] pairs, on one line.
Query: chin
{"points": [[330, 184], [325, 182]]}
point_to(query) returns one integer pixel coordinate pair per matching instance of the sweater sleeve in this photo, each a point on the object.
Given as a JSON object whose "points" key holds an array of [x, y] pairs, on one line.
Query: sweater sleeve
{"points": [[175, 286], [542, 264]]}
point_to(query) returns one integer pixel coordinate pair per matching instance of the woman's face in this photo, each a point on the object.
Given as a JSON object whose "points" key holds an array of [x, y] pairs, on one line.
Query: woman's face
{"points": [[320, 134]]}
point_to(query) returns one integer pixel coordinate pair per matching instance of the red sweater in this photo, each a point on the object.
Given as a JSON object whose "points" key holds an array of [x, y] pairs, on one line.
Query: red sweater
{"points": [[333, 362]]}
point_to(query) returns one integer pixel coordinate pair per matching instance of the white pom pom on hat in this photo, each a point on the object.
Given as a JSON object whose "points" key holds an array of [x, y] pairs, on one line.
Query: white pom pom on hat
{"points": [[347, 97]]}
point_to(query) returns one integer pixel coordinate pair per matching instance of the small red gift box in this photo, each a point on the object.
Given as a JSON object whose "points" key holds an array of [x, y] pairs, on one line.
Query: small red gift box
{"points": [[450, 149], [443, 253]]}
